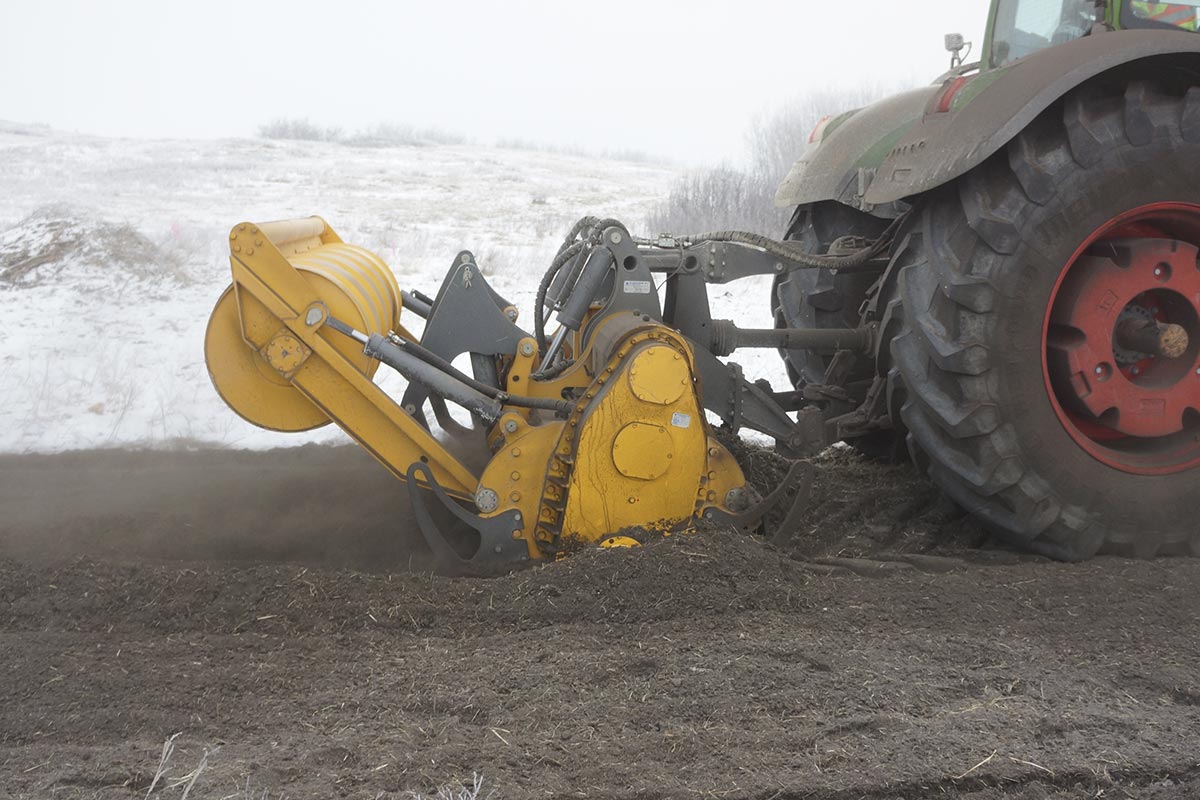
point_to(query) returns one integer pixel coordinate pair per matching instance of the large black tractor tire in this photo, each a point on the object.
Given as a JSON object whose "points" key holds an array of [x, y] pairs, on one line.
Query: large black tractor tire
{"points": [[819, 298], [982, 406]]}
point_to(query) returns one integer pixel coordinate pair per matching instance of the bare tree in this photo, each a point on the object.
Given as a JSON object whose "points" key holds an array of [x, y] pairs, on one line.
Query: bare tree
{"points": [[725, 198]]}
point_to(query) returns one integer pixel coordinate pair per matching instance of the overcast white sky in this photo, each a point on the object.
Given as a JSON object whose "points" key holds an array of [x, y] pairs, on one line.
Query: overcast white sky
{"points": [[680, 79]]}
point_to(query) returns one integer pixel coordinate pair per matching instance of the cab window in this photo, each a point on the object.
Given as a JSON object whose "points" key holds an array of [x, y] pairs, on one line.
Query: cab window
{"points": [[1026, 26], [1184, 16]]}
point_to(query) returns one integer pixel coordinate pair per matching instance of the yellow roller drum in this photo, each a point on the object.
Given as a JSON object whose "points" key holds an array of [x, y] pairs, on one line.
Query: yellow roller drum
{"points": [[249, 350]]}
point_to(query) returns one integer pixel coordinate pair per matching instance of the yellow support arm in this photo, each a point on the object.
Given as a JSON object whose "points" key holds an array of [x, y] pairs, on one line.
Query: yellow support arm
{"points": [[274, 363]]}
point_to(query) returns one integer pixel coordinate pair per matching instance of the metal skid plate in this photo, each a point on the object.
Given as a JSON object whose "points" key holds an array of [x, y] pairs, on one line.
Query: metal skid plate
{"points": [[498, 550]]}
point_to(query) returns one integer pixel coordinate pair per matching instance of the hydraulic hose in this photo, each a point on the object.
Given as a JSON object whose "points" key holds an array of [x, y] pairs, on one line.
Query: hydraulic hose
{"points": [[571, 247], [539, 319], [434, 360], [798, 256]]}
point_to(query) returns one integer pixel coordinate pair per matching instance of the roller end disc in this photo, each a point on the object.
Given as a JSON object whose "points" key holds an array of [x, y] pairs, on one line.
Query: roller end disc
{"points": [[246, 383]]}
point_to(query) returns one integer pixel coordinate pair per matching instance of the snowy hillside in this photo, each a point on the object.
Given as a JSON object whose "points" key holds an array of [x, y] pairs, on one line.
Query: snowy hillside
{"points": [[112, 255]]}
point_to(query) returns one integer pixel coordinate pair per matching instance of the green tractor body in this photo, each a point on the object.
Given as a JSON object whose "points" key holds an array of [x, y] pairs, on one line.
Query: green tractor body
{"points": [[935, 134], [1037, 320]]}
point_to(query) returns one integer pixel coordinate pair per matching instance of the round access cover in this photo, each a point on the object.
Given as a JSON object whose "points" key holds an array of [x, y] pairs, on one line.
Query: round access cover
{"points": [[643, 450]]}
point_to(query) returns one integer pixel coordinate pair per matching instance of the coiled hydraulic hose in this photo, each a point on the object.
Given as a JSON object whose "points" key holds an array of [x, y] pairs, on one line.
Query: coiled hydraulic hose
{"points": [[575, 246], [539, 319]]}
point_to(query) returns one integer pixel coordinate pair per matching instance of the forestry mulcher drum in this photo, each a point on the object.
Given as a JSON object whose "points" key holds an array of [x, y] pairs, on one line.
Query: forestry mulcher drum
{"points": [[996, 275]]}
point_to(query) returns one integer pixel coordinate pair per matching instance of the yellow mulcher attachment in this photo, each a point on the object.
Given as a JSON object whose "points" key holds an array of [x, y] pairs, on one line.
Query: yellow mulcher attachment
{"points": [[599, 430]]}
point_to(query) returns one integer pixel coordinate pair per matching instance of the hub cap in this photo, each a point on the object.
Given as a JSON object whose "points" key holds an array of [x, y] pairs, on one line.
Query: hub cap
{"points": [[1122, 342]]}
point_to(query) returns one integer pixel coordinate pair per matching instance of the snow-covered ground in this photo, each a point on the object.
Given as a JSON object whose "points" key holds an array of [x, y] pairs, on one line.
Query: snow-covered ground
{"points": [[122, 243]]}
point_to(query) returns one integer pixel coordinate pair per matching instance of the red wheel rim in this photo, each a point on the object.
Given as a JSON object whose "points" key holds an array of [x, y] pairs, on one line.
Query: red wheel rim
{"points": [[1133, 408]]}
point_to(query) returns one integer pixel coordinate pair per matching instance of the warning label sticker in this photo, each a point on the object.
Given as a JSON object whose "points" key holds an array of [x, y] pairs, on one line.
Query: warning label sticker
{"points": [[681, 420], [638, 287]]}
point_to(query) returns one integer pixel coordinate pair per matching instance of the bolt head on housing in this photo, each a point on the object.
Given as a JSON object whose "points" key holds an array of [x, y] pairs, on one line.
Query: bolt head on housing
{"points": [[737, 500], [487, 501]]}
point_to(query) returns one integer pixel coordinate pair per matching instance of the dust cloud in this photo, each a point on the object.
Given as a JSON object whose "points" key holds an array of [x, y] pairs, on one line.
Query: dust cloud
{"points": [[312, 504]]}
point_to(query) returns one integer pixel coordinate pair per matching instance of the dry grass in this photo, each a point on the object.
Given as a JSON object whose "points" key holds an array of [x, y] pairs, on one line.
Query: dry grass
{"points": [[164, 781], [298, 129], [56, 237], [457, 791], [384, 134], [390, 134], [629, 155]]}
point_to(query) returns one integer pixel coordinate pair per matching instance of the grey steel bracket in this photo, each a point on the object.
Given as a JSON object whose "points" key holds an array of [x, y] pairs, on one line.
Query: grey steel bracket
{"points": [[467, 316], [498, 551], [687, 309], [715, 262], [723, 389], [740, 403], [630, 285], [725, 262]]}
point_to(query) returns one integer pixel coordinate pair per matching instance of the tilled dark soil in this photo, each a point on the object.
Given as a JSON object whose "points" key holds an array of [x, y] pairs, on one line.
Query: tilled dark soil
{"points": [[888, 650]]}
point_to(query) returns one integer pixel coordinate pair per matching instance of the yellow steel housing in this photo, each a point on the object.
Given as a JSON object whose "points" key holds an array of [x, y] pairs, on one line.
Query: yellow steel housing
{"points": [[635, 452]]}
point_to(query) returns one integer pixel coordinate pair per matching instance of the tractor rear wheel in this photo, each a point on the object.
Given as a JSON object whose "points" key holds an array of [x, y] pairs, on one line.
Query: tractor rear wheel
{"points": [[820, 298], [1042, 390]]}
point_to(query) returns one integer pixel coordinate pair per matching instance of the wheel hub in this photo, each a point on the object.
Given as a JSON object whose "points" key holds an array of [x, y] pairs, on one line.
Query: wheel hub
{"points": [[1122, 355]]}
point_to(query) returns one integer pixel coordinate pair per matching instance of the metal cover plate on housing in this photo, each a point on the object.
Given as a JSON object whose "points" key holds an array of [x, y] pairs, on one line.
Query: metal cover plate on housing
{"points": [[285, 353], [659, 375], [643, 450]]}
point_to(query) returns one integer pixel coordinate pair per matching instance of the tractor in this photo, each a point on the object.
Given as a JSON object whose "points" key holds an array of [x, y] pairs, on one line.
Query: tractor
{"points": [[1037, 318], [995, 276]]}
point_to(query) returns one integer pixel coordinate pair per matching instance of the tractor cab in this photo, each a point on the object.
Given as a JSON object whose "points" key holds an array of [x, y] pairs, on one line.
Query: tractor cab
{"points": [[1018, 28], [1021, 27]]}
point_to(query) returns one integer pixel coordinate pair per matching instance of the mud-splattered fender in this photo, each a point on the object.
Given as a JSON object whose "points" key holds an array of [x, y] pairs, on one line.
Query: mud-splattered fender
{"points": [[901, 146]]}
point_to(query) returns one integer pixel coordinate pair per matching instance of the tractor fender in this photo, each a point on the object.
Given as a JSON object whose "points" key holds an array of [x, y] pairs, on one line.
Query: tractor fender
{"points": [[902, 146]]}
